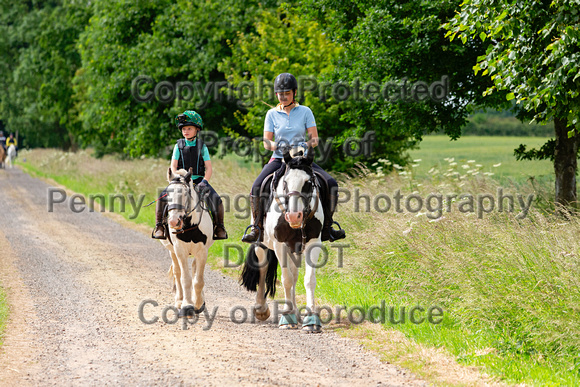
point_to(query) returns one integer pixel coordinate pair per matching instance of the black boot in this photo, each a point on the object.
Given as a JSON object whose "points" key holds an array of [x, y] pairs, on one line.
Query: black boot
{"points": [[159, 231], [329, 233], [219, 231], [256, 233]]}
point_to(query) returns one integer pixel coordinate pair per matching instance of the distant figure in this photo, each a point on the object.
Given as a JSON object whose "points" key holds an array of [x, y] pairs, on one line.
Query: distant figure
{"points": [[11, 156], [3, 141], [12, 141]]}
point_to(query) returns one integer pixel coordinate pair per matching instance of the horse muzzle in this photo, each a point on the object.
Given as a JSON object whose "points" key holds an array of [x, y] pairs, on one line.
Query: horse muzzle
{"points": [[294, 219], [174, 222]]}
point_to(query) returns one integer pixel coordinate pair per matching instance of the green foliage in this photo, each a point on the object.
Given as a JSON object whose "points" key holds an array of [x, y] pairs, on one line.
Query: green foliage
{"points": [[166, 41], [393, 41], [283, 42], [500, 124], [36, 69], [532, 52]]}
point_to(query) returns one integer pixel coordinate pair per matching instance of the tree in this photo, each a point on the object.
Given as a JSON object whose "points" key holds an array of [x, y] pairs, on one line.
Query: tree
{"points": [[38, 63], [533, 53], [401, 43], [283, 42], [165, 41]]}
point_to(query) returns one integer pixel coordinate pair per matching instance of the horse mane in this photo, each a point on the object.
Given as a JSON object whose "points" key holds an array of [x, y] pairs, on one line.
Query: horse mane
{"points": [[300, 163]]}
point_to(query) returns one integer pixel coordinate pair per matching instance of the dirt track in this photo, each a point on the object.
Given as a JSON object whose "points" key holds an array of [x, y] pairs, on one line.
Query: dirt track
{"points": [[76, 280]]}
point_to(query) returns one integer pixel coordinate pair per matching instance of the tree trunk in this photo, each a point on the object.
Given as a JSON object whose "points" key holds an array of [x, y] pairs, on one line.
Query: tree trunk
{"points": [[565, 164]]}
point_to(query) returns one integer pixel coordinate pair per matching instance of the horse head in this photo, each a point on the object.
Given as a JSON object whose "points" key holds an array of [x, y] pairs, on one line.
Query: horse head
{"points": [[298, 187], [182, 198]]}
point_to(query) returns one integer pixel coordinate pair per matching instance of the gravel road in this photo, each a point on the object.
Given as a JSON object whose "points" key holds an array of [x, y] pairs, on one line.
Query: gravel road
{"points": [[75, 282]]}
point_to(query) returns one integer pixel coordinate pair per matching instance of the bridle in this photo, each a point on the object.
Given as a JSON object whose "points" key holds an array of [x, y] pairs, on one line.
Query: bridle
{"points": [[184, 207], [311, 188]]}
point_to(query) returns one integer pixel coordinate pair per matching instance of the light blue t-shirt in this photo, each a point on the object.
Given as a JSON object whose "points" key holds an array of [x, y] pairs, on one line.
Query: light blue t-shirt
{"points": [[204, 153], [289, 128]]}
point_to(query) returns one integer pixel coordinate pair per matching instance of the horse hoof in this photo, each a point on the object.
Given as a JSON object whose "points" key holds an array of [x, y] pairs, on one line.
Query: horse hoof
{"points": [[288, 326], [186, 311], [288, 321], [262, 316], [312, 329], [312, 324], [198, 311]]}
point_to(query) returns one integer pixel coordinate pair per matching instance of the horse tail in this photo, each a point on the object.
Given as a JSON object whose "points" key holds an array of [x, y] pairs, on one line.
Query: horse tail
{"points": [[271, 274], [251, 272]]}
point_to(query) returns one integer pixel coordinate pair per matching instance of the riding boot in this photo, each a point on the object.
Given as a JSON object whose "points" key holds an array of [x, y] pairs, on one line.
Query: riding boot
{"points": [[256, 232], [159, 231], [219, 231], [329, 233]]}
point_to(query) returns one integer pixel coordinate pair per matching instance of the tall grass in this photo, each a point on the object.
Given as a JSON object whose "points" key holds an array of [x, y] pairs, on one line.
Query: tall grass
{"points": [[509, 286]]}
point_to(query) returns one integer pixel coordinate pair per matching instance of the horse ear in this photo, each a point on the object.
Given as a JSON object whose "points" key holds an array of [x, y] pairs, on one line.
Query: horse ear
{"points": [[188, 174], [287, 157], [310, 155], [169, 175]]}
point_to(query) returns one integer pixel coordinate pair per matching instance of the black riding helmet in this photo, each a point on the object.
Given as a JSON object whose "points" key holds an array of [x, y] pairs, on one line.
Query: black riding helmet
{"points": [[285, 82]]}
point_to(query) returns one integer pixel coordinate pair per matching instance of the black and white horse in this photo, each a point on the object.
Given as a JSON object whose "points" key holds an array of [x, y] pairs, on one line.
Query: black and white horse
{"points": [[191, 233], [292, 229]]}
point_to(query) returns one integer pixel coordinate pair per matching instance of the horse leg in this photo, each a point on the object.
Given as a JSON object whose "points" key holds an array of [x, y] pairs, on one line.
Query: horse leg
{"points": [[261, 310], [175, 267], [186, 280], [289, 275], [311, 323], [198, 268]]}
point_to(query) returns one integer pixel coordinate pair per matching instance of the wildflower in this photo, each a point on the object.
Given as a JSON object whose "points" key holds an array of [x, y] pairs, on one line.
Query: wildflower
{"points": [[496, 165]]}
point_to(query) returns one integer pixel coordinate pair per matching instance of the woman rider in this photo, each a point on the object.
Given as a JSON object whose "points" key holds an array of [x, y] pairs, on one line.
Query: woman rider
{"points": [[289, 122], [191, 152]]}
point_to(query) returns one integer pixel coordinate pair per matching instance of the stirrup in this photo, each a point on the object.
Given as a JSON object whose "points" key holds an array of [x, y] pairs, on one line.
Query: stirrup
{"points": [[331, 230], [153, 232], [259, 233], [215, 238]]}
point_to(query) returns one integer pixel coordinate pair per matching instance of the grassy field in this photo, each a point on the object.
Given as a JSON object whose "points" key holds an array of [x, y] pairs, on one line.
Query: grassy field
{"points": [[508, 282], [488, 152]]}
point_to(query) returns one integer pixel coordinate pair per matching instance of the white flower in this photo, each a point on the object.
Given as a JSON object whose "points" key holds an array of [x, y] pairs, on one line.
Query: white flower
{"points": [[452, 164], [417, 161], [496, 165], [470, 161]]}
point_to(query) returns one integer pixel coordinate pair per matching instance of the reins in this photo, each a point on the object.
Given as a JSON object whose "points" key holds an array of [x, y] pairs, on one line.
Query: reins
{"points": [[176, 206], [311, 211]]}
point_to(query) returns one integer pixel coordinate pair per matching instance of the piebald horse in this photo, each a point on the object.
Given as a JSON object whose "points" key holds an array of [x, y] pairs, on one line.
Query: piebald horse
{"points": [[292, 229], [190, 233]]}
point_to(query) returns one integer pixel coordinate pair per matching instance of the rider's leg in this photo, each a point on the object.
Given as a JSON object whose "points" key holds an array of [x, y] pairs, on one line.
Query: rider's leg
{"points": [[210, 196], [159, 231], [329, 205], [256, 202]]}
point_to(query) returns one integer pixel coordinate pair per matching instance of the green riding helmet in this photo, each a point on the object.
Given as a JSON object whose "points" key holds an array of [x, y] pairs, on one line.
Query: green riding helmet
{"points": [[188, 118]]}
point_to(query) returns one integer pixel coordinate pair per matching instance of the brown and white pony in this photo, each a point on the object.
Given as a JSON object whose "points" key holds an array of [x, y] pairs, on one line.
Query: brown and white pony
{"points": [[292, 235], [190, 234]]}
